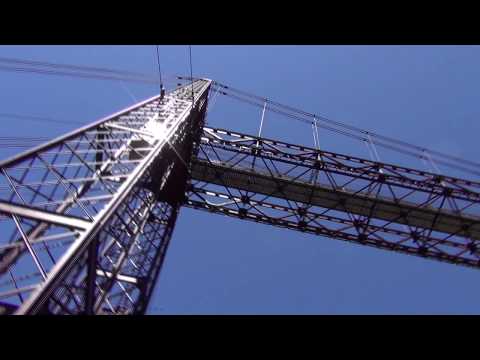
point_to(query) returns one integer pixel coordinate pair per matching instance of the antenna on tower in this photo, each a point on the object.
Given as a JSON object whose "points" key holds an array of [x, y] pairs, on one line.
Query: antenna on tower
{"points": [[162, 89]]}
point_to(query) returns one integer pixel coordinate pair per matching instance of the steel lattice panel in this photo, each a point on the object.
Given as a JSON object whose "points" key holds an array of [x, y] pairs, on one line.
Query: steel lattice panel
{"points": [[90, 214]]}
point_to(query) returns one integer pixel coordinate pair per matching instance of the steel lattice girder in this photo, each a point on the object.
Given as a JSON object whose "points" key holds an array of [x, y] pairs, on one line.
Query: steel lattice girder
{"points": [[92, 212], [349, 198]]}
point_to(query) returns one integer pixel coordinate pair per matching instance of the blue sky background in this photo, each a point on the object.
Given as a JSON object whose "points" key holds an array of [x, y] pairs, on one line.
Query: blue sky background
{"points": [[426, 95]]}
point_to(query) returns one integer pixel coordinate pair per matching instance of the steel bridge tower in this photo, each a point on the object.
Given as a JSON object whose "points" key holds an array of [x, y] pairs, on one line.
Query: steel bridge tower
{"points": [[86, 219]]}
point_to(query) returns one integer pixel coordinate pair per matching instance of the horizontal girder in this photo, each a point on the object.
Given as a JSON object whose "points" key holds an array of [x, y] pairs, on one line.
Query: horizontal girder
{"points": [[357, 203], [335, 195], [43, 215]]}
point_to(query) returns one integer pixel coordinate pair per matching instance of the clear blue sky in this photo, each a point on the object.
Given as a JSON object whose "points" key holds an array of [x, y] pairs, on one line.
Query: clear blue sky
{"points": [[426, 95]]}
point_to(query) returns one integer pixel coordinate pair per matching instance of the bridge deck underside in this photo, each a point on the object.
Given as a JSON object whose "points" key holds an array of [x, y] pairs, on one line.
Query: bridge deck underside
{"points": [[341, 200]]}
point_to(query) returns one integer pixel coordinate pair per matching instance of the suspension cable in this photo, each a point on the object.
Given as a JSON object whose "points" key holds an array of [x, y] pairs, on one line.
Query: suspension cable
{"points": [[37, 119], [338, 127], [70, 67], [46, 68]]}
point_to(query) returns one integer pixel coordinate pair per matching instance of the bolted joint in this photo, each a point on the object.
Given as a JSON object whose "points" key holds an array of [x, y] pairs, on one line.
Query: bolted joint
{"points": [[302, 225], [152, 218], [255, 150], [357, 223], [302, 212], [245, 200], [211, 208], [415, 236], [422, 250], [447, 191], [362, 237], [472, 247], [242, 213]]}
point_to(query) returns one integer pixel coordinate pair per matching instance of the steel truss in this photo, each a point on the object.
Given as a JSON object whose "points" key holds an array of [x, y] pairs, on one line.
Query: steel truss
{"points": [[91, 213], [357, 200]]}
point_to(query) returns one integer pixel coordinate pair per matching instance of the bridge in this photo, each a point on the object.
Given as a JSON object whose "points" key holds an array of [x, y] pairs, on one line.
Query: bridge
{"points": [[87, 218]]}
